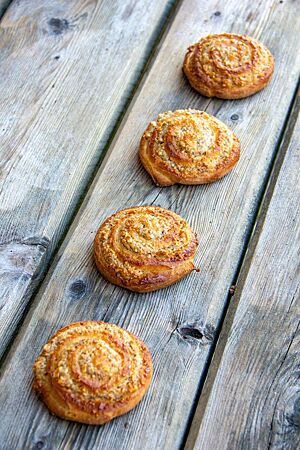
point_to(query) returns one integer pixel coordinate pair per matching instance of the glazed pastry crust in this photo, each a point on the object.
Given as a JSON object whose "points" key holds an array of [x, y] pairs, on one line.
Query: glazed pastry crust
{"points": [[228, 66], [145, 248], [188, 147], [91, 372]]}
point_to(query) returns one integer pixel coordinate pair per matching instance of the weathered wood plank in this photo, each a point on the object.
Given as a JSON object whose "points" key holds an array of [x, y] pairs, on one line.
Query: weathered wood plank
{"points": [[221, 214], [254, 401], [67, 70]]}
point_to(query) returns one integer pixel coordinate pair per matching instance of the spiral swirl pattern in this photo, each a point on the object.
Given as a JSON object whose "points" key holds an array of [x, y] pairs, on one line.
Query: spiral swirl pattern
{"points": [[92, 372], [188, 147], [145, 248], [228, 66]]}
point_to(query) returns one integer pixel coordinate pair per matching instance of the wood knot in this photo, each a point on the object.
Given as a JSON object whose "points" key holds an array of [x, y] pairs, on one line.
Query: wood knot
{"points": [[58, 26], [217, 13], [234, 117], [194, 333], [78, 289], [186, 332], [39, 445], [293, 418]]}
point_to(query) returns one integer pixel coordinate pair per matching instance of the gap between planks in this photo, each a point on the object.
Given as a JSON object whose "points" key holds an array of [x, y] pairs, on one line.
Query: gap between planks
{"points": [[238, 282], [4, 5]]}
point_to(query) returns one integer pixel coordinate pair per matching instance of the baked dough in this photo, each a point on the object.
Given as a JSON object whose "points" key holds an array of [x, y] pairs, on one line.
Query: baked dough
{"points": [[188, 147], [91, 372], [228, 66], [145, 248]]}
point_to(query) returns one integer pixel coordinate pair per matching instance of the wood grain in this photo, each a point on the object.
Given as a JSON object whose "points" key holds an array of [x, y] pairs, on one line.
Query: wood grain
{"points": [[67, 70], [254, 401], [178, 323]]}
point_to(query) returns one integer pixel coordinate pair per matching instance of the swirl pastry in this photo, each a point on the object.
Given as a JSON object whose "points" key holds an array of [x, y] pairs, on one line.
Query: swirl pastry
{"points": [[188, 147], [91, 372], [228, 66], [145, 248]]}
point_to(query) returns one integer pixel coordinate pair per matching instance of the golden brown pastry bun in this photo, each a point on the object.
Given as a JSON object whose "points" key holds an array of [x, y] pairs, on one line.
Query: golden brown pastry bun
{"points": [[145, 248], [91, 372], [228, 66], [188, 147]]}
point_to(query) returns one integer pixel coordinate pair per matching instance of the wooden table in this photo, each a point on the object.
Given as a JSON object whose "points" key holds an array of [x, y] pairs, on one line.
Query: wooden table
{"points": [[80, 80]]}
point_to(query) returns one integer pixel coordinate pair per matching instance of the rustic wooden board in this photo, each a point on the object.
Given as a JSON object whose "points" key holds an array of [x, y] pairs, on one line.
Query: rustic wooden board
{"points": [[177, 323], [254, 401], [67, 70]]}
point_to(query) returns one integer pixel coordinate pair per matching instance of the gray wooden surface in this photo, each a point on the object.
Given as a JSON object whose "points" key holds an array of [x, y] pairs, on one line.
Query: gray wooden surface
{"points": [[178, 323], [254, 402], [67, 70]]}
